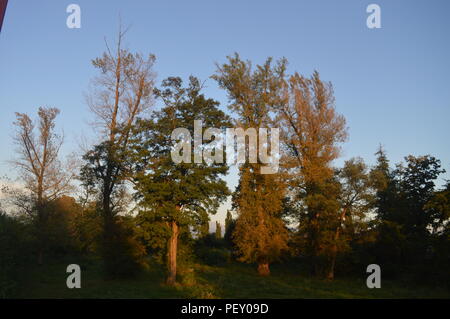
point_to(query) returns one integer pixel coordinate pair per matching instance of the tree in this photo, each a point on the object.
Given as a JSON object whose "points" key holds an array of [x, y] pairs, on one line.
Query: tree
{"points": [[230, 225], [218, 230], [228, 220], [44, 175], [416, 182], [177, 194], [355, 198], [416, 185], [122, 93], [383, 182], [260, 235], [438, 210], [204, 228], [390, 241], [15, 253], [403, 204], [311, 131]]}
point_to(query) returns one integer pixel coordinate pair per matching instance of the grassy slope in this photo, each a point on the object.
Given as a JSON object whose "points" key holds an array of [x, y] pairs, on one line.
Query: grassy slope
{"points": [[233, 281]]}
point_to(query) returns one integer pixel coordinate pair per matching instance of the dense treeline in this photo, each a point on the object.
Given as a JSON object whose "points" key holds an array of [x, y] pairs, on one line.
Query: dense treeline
{"points": [[127, 202]]}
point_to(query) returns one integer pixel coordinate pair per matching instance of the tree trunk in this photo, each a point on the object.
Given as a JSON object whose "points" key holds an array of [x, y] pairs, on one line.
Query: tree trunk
{"points": [[172, 254], [108, 245], [330, 275], [41, 230], [263, 269]]}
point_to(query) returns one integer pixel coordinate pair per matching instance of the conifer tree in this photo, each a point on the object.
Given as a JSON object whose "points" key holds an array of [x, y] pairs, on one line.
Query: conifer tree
{"points": [[218, 230]]}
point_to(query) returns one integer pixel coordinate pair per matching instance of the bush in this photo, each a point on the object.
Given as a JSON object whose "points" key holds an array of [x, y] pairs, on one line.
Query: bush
{"points": [[124, 256], [15, 254], [213, 256]]}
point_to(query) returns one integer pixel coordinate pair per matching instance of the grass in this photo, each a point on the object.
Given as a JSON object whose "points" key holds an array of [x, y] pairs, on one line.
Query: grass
{"points": [[232, 280]]}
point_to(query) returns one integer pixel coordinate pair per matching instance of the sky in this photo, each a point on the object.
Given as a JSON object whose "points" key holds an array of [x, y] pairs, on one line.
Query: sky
{"points": [[391, 84]]}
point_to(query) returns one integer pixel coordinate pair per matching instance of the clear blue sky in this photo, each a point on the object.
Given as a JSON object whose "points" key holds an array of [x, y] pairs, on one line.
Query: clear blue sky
{"points": [[392, 84]]}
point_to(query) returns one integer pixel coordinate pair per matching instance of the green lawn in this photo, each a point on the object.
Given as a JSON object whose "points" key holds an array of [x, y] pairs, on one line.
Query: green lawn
{"points": [[229, 281]]}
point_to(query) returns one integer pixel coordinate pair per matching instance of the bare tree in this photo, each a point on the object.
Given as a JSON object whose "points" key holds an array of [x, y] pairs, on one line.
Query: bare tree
{"points": [[44, 175]]}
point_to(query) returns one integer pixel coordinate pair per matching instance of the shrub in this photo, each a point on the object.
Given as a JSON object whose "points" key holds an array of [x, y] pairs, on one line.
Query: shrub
{"points": [[213, 256], [15, 254]]}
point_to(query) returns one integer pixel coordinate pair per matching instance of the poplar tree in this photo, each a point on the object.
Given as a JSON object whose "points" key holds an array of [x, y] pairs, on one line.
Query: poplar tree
{"points": [[260, 234], [311, 133], [218, 230]]}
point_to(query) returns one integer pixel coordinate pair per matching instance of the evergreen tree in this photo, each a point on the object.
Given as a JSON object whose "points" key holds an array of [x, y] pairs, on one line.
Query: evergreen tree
{"points": [[218, 230], [229, 227], [204, 228]]}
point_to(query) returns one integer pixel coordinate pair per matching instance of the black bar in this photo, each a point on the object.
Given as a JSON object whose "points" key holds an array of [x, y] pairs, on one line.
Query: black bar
{"points": [[226, 308]]}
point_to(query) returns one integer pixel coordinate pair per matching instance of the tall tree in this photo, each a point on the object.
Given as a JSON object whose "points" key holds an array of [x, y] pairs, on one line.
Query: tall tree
{"points": [[203, 229], [120, 94], [311, 132], [45, 176], [416, 180], [416, 184], [260, 234], [402, 203], [383, 182], [230, 225], [178, 194], [355, 198], [438, 210], [218, 230]]}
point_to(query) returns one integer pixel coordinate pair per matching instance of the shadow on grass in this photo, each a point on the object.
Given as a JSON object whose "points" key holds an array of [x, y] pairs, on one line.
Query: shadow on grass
{"points": [[231, 280]]}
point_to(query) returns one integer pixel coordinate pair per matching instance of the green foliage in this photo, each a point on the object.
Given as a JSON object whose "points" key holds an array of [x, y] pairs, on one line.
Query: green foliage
{"points": [[15, 248], [411, 215], [218, 230], [163, 185], [213, 256], [212, 251], [260, 234], [438, 209], [348, 216], [173, 194], [124, 256], [230, 226], [86, 229]]}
